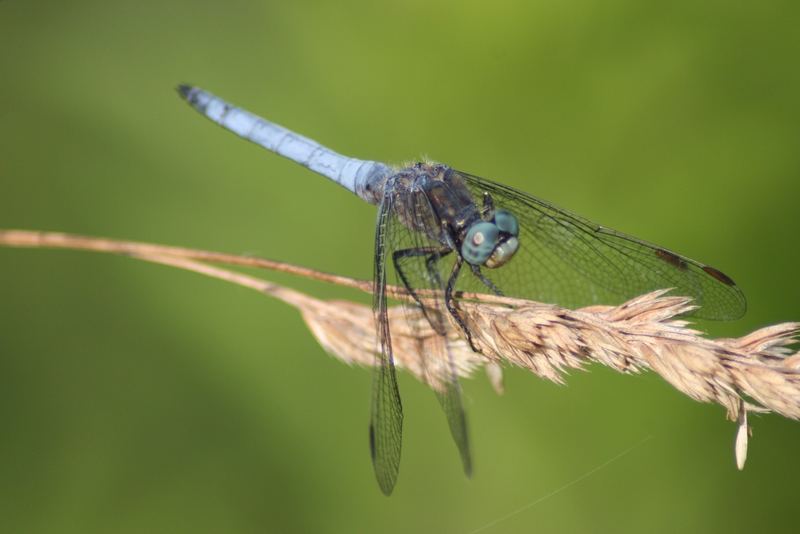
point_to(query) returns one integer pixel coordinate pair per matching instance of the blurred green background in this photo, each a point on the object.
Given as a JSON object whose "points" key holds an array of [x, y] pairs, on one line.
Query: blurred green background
{"points": [[136, 398]]}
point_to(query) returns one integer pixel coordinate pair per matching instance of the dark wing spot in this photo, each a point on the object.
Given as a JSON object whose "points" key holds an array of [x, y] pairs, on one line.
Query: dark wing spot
{"points": [[672, 259], [719, 275]]}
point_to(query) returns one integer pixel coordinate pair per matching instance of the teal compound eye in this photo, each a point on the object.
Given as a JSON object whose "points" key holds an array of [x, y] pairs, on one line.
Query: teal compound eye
{"points": [[506, 222], [480, 242]]}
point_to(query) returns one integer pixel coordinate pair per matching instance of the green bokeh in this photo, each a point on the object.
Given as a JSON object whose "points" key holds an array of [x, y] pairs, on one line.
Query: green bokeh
{"points": [[135, 398]]}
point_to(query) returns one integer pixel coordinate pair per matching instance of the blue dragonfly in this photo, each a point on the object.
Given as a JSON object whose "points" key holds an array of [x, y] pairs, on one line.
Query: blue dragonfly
{"points": [[445, 233]]}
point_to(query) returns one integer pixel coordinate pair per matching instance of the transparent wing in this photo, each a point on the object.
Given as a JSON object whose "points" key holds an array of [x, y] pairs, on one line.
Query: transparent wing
{"points": [[429, 270], [386, 418], [566, 259], [423, 265]]}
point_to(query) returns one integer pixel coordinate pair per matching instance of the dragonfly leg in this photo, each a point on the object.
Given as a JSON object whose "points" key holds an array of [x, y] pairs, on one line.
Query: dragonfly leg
{"points": [[476, 270], [432, 255], [451, 305]]}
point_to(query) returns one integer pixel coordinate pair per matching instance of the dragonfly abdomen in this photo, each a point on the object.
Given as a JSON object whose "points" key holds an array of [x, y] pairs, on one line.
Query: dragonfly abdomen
{"points": [[356, 175]]}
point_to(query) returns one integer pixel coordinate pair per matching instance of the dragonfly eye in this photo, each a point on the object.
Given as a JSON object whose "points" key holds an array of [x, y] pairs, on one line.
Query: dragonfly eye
{"points": [[502, 253], [480, 242], [506, 222]]}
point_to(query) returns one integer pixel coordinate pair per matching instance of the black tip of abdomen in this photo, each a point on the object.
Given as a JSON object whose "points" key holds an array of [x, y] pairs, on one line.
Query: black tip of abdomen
{"points": [[184, 90]]}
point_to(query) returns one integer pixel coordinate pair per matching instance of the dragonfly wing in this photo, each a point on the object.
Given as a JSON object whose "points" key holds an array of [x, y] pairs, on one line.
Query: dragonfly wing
{"points": [[451, 401], [423, 265], [566, 259], [386, 419]]}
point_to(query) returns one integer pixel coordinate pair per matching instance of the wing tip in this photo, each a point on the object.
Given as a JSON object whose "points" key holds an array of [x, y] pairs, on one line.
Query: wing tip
{"points": [[730, 313], [386, 478], [387, 487], [467, 464]]}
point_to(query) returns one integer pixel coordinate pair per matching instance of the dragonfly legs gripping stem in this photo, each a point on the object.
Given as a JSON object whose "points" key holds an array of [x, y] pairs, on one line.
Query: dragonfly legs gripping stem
{"points": [[432, 255], [450, 302]]}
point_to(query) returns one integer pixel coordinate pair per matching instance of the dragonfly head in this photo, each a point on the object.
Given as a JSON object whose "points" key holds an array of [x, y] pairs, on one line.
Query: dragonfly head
{"points": [[491, 243]]}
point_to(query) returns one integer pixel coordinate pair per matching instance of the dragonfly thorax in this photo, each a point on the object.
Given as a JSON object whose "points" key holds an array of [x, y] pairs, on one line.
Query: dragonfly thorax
{"points": [[433, 199]]}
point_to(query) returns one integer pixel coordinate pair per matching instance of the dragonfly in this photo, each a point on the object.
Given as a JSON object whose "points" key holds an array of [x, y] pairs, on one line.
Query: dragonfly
{"points": [[446, 233]]}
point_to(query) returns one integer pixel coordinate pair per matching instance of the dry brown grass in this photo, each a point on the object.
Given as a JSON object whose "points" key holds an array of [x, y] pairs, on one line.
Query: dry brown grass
{"points": [[755, 373]]}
